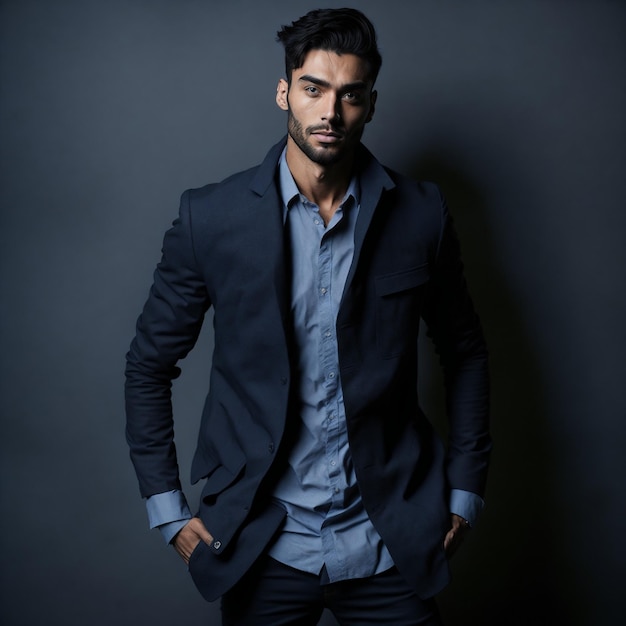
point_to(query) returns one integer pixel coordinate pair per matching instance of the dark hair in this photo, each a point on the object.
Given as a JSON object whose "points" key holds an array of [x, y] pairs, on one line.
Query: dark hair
{"points": [[344, 31]]}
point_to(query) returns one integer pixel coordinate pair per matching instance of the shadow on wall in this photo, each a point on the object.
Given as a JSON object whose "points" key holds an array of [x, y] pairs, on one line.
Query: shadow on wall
{"points": [[513, 570]]}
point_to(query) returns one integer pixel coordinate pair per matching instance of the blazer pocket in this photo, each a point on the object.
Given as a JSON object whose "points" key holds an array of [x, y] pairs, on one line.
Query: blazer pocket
{"points": [[219, 479], [401, 281], [398, 307]]}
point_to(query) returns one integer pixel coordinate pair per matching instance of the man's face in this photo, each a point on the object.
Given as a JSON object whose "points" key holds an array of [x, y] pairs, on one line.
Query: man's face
{"points": [[329, 101]]}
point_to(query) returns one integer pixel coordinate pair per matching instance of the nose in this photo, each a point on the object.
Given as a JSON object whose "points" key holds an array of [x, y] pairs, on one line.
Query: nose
{"points": [[332, 112]]}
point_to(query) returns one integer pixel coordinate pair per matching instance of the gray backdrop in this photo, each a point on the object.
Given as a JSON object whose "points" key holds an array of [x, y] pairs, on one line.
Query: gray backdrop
{"points": [[109, 110]]}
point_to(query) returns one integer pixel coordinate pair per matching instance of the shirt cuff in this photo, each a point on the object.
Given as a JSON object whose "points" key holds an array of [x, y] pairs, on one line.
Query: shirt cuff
{"points": [[170, 530], [466, 504], [168, 512]]}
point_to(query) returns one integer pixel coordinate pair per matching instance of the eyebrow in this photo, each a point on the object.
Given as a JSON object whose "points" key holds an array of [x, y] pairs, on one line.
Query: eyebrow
{"points": [[307, 78]]}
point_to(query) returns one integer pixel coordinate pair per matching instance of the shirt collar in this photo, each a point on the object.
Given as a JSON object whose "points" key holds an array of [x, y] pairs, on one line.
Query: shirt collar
{"points": [[289, 190]]}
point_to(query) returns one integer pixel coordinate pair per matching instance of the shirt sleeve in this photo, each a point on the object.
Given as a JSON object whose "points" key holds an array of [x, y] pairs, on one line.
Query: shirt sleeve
{"points": [[168, 512], [466, 504]]}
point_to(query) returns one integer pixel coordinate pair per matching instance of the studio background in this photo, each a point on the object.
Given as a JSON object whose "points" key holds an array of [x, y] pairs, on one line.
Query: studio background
{"points": [[109, 110]]}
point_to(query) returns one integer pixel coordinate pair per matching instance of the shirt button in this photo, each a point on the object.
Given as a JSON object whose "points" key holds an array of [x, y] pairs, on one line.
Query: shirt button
{"points": [[327, 333], [323, 291], [333, 463], [331, 375]]}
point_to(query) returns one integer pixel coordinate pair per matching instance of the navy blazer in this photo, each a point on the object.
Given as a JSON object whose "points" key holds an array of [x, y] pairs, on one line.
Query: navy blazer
{"points": [[227, 250]]}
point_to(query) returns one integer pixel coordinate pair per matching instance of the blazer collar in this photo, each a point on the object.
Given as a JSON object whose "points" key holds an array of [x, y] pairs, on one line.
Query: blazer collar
{"points": [[266, 173], [374, 177]]}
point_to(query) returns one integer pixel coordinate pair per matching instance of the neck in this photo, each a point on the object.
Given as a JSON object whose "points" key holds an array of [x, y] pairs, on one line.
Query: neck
{"points": [[325, 185]]}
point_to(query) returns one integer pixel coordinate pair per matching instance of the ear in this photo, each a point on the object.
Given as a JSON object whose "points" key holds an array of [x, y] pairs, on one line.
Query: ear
{"points": [[281, 94], [373, 97]]}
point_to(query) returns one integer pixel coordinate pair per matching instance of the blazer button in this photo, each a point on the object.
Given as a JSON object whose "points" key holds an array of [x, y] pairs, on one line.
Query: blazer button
{"points": [[271, 448]]}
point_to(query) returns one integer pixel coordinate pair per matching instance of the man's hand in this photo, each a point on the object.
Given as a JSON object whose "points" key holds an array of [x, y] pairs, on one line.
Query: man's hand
{"points": [[189, 536], [455, 535]]}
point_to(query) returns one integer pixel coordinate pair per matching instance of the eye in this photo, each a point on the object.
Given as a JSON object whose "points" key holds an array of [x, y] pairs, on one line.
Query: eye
{"points": [[312, 90], [352, 96]]}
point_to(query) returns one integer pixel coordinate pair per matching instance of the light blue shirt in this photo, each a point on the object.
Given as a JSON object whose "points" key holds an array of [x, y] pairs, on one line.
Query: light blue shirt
{"points": [[326, 522]]}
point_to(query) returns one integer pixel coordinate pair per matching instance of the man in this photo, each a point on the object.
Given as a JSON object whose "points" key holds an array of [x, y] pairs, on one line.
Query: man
{"points": [[325, 483]]}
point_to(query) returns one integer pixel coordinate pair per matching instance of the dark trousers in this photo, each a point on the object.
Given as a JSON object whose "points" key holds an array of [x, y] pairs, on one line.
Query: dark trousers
{"points": [[273, 594]]}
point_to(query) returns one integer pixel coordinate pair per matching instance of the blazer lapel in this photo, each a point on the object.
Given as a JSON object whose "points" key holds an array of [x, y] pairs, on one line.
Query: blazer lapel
{"points": [[271, 222], [374, 180]]}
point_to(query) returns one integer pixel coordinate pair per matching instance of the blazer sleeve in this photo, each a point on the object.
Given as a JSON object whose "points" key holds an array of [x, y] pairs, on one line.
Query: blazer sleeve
{"points": [[166, 330], [457, 335]]}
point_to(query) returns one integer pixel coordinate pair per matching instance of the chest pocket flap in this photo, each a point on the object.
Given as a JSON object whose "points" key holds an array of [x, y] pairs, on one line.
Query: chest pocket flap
{"points": [[401, 281]]}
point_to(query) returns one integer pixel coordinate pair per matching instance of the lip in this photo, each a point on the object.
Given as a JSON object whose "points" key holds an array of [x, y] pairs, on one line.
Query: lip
{"points": [[325, 137]]}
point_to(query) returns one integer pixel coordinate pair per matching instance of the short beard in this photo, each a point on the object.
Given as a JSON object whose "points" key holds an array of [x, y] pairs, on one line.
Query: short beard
{"points": [[321, 156]]}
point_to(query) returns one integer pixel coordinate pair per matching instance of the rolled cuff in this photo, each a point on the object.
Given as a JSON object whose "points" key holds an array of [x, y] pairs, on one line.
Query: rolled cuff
{"points": [[466, 504]]}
